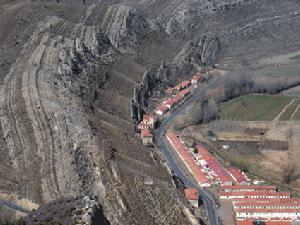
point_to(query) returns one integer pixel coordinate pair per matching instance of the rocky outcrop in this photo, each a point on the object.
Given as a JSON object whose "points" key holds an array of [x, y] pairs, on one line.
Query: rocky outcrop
{"points": [[202, 51], [140, 95], [73, 210], [183, 19], [125, 27], [59, 120], [49, 85]]}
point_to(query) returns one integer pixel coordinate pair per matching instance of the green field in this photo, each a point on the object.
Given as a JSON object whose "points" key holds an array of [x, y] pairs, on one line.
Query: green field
{"points": [[296, 57], [253, 107], [297, 115], [289, 111]]}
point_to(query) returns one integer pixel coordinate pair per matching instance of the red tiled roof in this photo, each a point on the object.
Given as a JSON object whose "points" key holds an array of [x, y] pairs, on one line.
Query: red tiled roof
{"points": [[191, 194], [183, 84], [148, 117], [237, 175], [171, 102], [249, 222], [214, 165], [142, 125], [197, 77], [275, 201], [146, 133], [183, 92], [188, 159], [162, 108], [247, 187], [267, 210], [255, 193], [266, 204]]}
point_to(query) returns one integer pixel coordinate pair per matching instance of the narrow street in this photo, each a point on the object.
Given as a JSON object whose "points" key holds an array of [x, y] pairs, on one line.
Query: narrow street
{"points": [[161, 143]]}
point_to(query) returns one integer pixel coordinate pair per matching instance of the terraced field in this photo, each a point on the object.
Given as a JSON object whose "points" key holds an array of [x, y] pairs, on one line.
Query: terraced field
{"points": [[255, 107]]}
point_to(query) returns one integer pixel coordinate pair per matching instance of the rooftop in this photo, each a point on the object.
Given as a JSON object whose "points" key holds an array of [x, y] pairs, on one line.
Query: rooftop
{"points": [[183, 84], [146, 133], [248, 187], [214, 165], [191, 194], [183, 92], [249, 222], [198, 76], [267, 210], [237, 175], [148, 117], [255, 193], [171, 101], [187, 158], [250, 201], [162, 108]]}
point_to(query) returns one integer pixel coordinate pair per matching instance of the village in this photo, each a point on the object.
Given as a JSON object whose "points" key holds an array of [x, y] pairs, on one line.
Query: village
{"points": [[252, 201]]}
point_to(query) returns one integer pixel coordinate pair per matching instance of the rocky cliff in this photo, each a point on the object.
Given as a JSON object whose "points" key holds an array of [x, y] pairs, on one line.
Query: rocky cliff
{"points": [[75, 73], [66, 136]]}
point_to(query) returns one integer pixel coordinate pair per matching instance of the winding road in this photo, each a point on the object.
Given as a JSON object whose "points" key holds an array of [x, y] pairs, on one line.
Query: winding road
{"points": [[159, 133]]}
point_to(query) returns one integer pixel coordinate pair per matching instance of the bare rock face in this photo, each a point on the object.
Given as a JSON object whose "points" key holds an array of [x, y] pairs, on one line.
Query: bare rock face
{"points": [[72, 210], [185, 18], [141, 93], [124, 27], [50, 142], [202, 51], [66, 143], [46, 131]]}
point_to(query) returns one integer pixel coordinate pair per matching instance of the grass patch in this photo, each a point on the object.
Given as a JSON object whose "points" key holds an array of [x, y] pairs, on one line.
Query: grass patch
{"points": [[297, 115], [253, 107], [296, 57], [290, 110]]}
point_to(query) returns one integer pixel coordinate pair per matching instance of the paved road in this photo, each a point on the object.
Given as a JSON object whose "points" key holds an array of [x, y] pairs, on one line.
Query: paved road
{"points": [[208, 200], [13, 206]]}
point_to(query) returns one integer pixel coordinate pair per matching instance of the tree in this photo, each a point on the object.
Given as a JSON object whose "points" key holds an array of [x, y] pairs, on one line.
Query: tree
{"points": [[289, 173]]}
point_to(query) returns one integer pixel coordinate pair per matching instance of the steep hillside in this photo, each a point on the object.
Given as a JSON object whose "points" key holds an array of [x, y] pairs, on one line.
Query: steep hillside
{"points": [[66, 131], [75, 73]]}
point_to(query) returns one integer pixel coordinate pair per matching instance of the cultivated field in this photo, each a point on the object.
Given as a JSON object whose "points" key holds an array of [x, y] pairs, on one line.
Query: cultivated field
{"points": [[265, 149], [258, 108]]}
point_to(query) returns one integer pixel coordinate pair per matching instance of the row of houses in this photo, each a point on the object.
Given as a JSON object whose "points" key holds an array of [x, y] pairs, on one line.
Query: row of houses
{"points": [[146, 126], [245, 188], [188, 159], [254, 194], [257, 222], [197, 78], [256, 203], [217, 172], [203, 165], [171, 102], [179, 92]]}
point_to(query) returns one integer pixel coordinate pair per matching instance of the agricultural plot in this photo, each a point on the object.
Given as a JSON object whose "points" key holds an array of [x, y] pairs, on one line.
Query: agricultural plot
{"points": [[254, 107], [297, 114], [290, 112]]}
